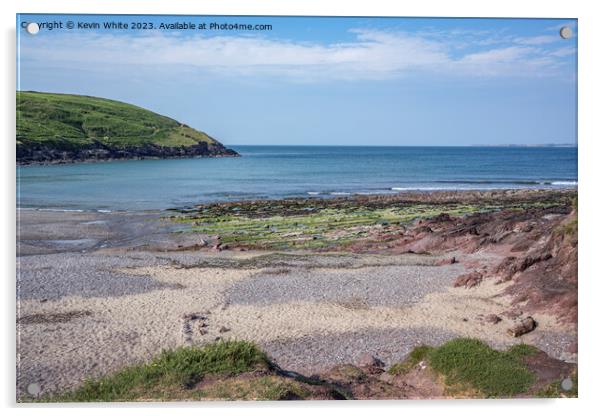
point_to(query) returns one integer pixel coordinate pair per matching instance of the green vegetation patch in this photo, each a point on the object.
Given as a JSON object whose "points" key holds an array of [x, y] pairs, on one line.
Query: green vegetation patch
{"points": [[472, 363], [170, 376], [320, 224], [417, 355], [69, 122], [323, 228], [239, 370], [257, 388]]}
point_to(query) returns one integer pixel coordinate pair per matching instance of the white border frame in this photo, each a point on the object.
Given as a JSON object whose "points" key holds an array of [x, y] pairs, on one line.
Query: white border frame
{"points": [[590, 34]]}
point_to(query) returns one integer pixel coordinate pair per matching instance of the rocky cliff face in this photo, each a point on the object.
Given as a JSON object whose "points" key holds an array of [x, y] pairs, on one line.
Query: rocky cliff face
{"points": [[537, 246], [97, 151]]}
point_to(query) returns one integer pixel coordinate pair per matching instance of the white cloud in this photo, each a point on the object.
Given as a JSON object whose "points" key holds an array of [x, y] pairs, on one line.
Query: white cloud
{"points": [[572, 24], [538, 40], [373, 54], [564, 51]]}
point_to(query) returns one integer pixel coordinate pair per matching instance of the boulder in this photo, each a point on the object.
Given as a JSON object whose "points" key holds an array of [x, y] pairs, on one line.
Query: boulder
{"points": [[469, 280], [523, 327], [493, 319], [444, 262]]}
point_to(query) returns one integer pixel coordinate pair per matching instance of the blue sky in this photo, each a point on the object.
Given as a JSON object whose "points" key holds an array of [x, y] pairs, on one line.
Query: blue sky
{"points": [[319, 81]]}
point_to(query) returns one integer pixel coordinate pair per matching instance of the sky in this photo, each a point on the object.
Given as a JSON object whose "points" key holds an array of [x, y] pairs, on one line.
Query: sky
{"points": [[322, 80]]}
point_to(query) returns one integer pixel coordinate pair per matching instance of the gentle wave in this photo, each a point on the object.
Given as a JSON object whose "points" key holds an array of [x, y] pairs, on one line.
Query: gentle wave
{"points": [[509, 181], [59, 210], [468, 186], [102, 211], [432, 188], [493, 182]]}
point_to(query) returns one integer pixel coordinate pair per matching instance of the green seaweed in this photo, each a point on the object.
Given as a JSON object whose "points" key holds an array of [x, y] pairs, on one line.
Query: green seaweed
{"points": [[321, 225]]}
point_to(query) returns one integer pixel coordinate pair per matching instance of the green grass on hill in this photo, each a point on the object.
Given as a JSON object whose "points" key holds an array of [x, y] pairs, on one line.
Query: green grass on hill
{"points": [[471, 364], [268, 387], [472, 368], [67, 122], [417, 355], [170, 376]]}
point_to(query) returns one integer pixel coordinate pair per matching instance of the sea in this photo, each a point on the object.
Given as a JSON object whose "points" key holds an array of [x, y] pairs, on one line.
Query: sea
{"points": [[273, 172]]}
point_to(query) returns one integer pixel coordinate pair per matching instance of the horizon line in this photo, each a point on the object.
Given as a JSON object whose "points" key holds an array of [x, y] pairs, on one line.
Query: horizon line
{"points": [[411, 145]]}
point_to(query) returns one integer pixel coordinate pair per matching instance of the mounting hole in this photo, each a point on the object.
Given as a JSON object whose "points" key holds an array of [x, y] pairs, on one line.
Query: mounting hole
{"points": [[566, 384], [32, 28], [566, 32]]}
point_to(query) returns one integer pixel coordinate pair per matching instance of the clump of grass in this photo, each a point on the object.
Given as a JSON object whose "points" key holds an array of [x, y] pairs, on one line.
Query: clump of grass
{"points": [[417, 355], [519, 351], [170, 374], [472, 363], [260, 388]]}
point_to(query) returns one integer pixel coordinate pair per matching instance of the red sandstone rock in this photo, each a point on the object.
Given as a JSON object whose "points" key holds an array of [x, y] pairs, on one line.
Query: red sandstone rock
{"points": [[469, 280]]}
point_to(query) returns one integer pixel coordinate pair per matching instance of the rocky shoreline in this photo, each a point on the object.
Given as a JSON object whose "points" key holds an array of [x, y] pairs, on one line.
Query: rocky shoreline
{"points": [[42, 154], [529, 235]]}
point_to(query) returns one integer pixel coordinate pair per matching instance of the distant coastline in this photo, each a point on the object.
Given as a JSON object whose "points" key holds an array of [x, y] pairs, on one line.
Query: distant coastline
{"points": [[526, 145]]}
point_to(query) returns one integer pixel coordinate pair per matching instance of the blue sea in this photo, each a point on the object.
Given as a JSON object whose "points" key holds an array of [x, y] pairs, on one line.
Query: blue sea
{"points": [[291, 171]]}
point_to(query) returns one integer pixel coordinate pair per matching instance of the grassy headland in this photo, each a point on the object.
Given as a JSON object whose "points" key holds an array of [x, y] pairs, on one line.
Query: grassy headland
{"points": [[75, 127]]}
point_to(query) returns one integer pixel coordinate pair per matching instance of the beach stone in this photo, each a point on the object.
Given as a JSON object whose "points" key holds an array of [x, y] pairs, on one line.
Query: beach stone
{"points": [[523, 327], [493, 319], [469, 280], [512, 314], [193, 316], [444, 262]]}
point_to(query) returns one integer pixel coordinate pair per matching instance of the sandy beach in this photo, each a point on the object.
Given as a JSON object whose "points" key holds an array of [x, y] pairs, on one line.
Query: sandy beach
{"points": [[99, 291]]}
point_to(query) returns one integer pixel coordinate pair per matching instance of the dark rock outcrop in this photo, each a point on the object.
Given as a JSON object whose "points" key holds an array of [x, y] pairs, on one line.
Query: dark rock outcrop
{"points": [[97, 151]]}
